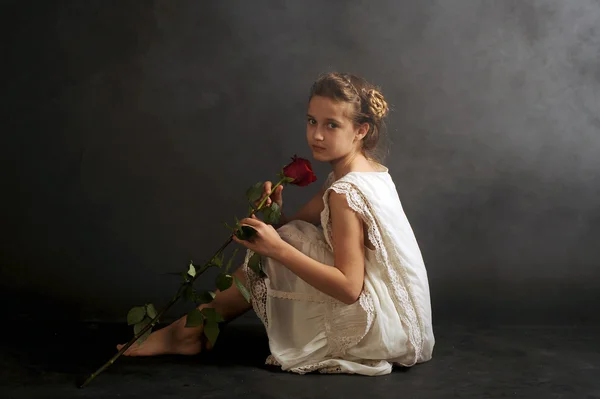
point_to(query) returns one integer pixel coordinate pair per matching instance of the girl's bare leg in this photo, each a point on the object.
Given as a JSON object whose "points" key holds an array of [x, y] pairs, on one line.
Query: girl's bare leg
{"points": [[177, 339]]}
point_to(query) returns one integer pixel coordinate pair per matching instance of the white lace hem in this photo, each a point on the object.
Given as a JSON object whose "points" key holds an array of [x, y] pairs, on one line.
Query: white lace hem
{"points": [[300, 296], [323, 367], [258, 290]]}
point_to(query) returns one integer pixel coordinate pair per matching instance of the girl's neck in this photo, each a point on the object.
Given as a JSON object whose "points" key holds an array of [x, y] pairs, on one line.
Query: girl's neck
{"points": [[354, 163]]}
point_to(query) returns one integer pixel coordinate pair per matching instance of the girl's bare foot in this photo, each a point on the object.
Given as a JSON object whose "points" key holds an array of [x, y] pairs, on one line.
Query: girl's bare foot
{"points": [[174, 339]]}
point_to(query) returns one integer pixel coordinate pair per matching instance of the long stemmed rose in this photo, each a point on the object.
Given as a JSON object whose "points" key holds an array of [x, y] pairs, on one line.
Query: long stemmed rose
{"points": [[143, 318]]}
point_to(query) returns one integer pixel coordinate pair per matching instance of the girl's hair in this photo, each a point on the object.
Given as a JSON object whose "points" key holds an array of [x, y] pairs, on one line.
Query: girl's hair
{"points": [[369, 105]]}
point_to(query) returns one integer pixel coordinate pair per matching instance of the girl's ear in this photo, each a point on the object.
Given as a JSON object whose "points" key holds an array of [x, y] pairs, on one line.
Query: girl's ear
{"points": [[362, 131]]}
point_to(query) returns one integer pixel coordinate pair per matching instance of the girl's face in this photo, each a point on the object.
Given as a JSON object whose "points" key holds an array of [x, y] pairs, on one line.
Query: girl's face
{"points": [[330, 132]]}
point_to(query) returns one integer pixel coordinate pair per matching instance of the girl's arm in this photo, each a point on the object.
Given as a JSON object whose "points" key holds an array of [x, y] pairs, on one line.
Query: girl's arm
{"points": [[344, 281]]}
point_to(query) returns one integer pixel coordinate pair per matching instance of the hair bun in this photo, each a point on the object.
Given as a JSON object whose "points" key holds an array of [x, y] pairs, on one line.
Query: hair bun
{"points": [[377, 104]]}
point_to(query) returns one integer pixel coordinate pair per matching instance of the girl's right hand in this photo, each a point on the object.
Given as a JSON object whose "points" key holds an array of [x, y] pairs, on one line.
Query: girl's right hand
{"points": [[272, 197]]}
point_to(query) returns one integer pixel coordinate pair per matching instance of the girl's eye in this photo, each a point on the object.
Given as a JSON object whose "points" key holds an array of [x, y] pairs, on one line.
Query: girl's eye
{"points": [[311, 121], [332, 125]]}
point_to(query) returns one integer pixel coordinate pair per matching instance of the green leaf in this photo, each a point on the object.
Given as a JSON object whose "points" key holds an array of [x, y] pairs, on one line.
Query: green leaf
{"points": [[235, 251], [183, 275], [223, 281], [192, 270], [272, 214], [217, 261], [195, 318], [245, 233], [254, 261], [211, 330], [136, 315], [151, 311], [204, 297], [212, 315], [240, 286], [139, 327], [189, 293], [255, 192], [255, 264]]}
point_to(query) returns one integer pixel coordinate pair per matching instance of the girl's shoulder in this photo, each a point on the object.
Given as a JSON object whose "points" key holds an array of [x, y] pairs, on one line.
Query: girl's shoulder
{"points": [[359, 178]]}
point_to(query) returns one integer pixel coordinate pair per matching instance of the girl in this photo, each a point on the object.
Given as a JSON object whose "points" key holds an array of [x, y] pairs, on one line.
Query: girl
{"points": [[346, 288]]}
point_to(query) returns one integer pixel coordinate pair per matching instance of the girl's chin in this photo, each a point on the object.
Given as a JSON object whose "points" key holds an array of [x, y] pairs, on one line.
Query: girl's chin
{"points": [[318, 156]]}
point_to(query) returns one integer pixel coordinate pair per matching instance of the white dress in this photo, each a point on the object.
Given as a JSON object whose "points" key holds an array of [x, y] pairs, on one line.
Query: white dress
{"points": [[390, 323]]}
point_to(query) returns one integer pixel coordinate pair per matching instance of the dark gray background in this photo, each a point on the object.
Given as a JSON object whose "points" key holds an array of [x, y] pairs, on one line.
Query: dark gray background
{"points": [[132, 130]]}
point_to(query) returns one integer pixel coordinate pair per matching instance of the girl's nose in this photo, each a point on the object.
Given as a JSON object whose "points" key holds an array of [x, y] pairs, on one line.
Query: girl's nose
{"points": [[317, 134]]}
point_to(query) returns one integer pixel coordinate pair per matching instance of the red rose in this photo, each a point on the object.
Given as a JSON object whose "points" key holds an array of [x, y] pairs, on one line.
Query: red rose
{"points": [[300, 170]]}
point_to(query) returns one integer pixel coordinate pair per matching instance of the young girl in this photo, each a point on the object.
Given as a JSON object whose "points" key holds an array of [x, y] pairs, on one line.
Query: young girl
{"points": [[346, 288]]}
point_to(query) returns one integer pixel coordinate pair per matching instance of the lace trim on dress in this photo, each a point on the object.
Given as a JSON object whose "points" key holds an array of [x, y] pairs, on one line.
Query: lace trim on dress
{"points": [[258, 290], [323, 366], [400, 290], [346, 325], [300, 296]]}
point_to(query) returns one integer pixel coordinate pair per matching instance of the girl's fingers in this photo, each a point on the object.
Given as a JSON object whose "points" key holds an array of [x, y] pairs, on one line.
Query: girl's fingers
{"points": [[251, 222], [267, 193]]}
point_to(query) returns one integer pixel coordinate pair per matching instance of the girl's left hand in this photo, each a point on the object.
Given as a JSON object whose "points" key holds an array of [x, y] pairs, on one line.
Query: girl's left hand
{"points": [[266, 241]]}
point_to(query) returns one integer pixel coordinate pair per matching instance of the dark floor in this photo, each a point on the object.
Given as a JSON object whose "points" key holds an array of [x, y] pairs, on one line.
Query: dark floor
{"points": [[517, 362]]}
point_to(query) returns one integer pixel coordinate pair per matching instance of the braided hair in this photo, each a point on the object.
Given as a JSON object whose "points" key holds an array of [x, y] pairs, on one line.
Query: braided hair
{"points": [[369, 104]]}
